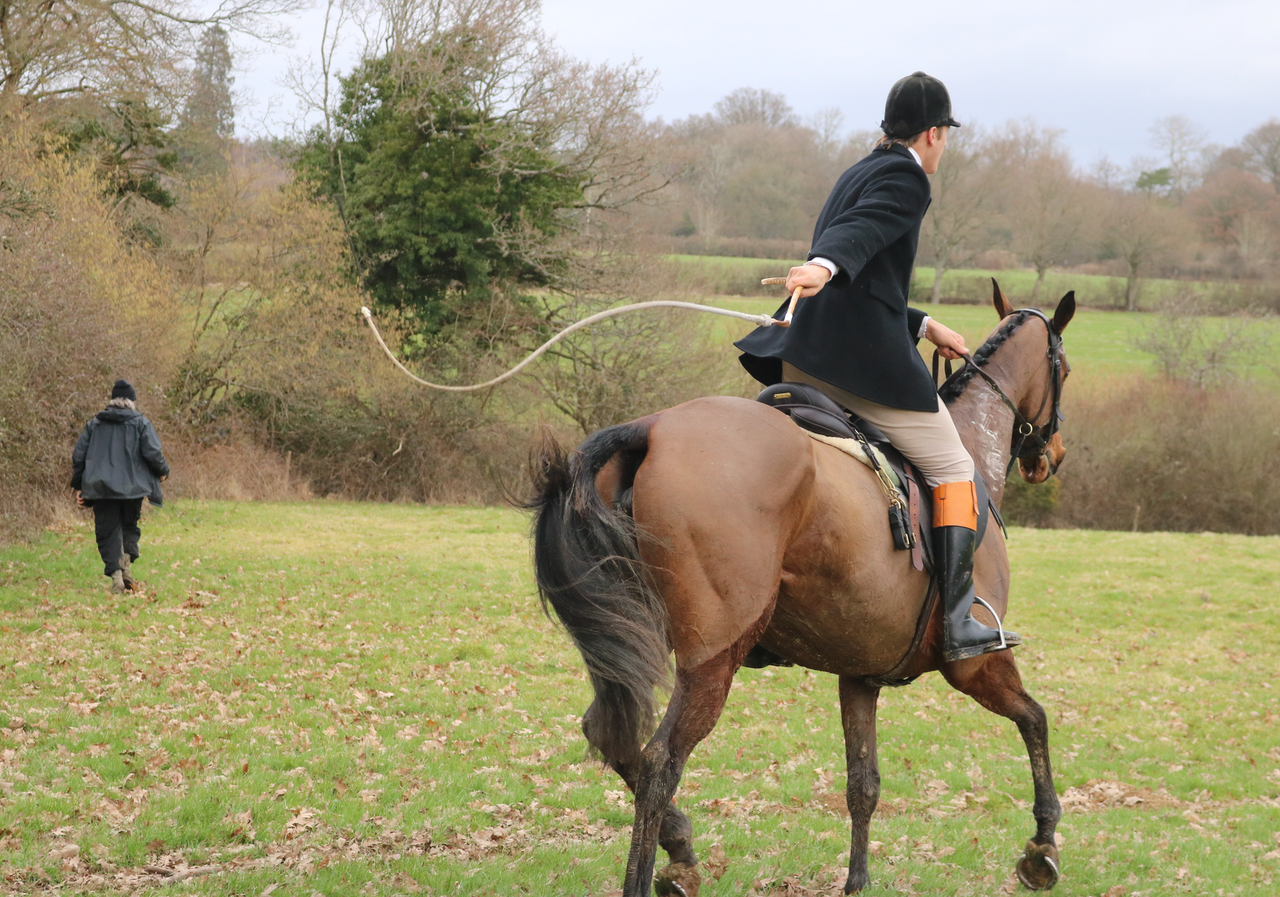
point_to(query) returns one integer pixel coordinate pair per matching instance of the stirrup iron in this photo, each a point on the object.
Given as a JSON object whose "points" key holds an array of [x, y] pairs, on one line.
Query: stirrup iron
{"points": [[1000, 626]]}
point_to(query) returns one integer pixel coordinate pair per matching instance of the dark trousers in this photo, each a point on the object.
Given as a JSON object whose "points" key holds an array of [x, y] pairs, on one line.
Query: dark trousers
{"points": [[115, 522]]}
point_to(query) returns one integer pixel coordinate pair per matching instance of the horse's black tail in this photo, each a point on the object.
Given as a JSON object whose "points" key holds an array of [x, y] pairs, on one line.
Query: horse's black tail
{"points": [[588, 567]]}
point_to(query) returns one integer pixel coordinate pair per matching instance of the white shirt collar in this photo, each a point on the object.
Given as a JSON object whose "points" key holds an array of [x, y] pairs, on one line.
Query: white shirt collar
{"points": [[915, 156]]}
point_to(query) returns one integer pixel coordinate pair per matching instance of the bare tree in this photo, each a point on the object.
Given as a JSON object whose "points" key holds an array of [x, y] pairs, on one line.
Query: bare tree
{"points": [[956, 226], [828, 123], [706, 179], [1263, 146], [58, 48], [1106, 174], [1047, 213], [1181, 143], [753, 106], [632, 365], [1256, 239], [780, 180], [1142, 232], [1239, 211], [313, 77], [754, 171]]}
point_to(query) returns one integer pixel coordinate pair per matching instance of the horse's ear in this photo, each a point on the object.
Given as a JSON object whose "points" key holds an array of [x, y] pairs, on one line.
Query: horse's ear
{"points": [[1065, 311], [1003, 308]]}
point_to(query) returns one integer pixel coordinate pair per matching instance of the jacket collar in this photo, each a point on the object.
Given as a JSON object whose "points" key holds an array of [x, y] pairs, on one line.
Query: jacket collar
{"points": [[902, 151], [117, 415]]}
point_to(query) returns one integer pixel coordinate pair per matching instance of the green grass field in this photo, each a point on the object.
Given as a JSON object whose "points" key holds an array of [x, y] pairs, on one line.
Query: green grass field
{"points": [[331, 698], [1095, 290]]}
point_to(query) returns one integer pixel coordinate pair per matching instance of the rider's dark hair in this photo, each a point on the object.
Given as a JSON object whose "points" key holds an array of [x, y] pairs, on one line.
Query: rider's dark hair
{"points": [[952, 389]]}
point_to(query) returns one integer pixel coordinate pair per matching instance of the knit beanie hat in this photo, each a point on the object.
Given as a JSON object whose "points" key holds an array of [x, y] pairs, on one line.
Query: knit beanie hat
{"points": [[124, 390]]}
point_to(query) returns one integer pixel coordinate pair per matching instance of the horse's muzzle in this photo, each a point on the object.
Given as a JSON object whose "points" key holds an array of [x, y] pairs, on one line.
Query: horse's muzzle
{"points": [[1045, 464]]}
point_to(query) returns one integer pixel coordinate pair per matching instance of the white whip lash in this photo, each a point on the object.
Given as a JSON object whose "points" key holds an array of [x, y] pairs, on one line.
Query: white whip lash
{"points": [[760, 320]]}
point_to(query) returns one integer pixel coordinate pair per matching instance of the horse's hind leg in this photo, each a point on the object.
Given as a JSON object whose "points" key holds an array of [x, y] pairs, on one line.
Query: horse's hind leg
{"points": [[696, 703], [993, 682], [675, 835], [858, 714]]}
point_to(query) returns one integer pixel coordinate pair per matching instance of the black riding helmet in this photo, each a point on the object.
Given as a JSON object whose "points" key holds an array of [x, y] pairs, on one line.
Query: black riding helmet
{"points": [[917, 103]]}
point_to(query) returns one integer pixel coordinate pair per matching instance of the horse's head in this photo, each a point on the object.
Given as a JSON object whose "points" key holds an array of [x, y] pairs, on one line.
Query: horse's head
{"points": [[1036, 443]]}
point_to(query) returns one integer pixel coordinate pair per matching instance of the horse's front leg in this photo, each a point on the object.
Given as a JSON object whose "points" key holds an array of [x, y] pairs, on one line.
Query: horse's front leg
{"points": [[993, 681], [696, 703], [858, 714]]}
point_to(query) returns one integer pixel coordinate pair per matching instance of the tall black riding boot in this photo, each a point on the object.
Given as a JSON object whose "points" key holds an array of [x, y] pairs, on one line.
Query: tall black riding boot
{"points": [[954, 536]]}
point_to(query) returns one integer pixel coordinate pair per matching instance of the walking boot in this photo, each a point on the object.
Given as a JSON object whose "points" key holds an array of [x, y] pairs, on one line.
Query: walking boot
{"points": [[125, 561], [955, 532], [117, 581]]}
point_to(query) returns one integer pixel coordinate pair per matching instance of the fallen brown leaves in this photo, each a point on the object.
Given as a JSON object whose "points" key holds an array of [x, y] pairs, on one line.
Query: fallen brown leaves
{"points": [[305, 850], [1101, 794], [1106, 795], [307, 845]]}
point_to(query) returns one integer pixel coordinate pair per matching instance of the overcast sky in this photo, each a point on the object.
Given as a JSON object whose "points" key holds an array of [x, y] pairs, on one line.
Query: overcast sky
{"points": [[1100, 71]]}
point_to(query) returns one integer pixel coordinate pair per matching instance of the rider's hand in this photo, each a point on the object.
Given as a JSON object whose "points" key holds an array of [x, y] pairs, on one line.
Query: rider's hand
{"points": [[810, 279], [950, 344]]}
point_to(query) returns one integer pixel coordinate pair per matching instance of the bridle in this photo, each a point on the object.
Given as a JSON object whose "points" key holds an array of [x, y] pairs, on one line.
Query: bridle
{"points": [[1030, 439]]}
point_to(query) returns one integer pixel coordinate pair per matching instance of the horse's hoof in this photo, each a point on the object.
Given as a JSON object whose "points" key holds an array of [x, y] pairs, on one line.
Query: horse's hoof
{"points": [[677, 880], [1038, 867], [853, 885]]}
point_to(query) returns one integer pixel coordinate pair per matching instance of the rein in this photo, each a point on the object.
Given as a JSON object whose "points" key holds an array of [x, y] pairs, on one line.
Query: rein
{"points": [[1031, 437]]}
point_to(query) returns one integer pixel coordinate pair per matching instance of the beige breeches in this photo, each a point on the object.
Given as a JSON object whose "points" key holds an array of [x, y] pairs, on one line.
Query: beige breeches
{"points": [[930, 441]]}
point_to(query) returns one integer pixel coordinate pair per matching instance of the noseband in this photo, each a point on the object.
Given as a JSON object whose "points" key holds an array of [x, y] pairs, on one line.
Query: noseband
{"points": [[1031, 439]]}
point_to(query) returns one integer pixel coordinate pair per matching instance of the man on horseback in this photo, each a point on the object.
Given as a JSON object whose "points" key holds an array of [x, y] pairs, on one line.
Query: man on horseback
{"points": [[854, 339]]}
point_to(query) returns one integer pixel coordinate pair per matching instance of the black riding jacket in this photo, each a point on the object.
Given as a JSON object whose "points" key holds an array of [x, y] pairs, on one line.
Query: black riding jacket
{"points": [[857, 332]]}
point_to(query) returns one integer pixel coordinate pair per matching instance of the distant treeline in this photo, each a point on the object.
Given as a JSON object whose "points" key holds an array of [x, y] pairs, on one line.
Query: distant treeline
{"points": [[754, 177]]}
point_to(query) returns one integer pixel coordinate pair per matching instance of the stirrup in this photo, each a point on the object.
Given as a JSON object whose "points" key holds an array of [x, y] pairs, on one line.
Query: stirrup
{"points": [[1004, 643]]}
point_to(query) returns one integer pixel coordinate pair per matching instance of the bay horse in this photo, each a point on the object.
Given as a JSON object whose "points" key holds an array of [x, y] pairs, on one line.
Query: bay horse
{"points": [[709, 528]]}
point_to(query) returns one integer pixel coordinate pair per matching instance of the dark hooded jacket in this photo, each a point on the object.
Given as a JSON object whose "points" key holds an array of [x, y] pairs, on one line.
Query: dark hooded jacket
{"points": [[857, 332], [118, 456]]}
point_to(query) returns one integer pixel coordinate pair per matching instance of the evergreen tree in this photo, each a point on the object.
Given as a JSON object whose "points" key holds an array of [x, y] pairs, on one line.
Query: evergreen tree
{"points": [[477, 167], [209, 109], [443, 210], [207, 120]]}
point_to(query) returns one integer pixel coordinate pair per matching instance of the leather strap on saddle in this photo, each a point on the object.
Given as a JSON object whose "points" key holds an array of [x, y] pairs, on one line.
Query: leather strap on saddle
{"points": [[913, 508]]}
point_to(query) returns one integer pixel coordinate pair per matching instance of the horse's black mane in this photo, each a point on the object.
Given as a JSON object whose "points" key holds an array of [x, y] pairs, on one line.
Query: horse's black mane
{"points": [[952, 389]]}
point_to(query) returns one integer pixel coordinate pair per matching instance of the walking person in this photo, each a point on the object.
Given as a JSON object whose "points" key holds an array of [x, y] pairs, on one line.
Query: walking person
{"points": [[116, 463], [853, 336]]}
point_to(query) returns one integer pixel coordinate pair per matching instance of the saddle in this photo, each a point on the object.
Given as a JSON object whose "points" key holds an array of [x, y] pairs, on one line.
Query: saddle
{"points": [[823, 418], [817, 413]]}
